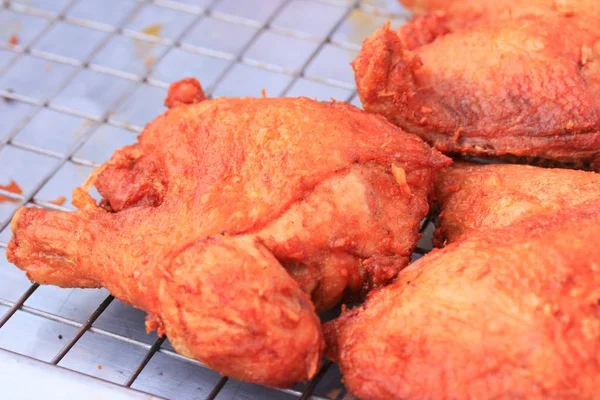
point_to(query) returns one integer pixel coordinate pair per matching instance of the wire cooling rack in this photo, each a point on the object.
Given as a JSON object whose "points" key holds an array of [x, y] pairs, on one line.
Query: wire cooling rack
{"points": [[80, 78]]}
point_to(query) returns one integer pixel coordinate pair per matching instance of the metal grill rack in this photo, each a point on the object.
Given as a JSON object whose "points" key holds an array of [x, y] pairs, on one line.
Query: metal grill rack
{"points": [[80, 78]]}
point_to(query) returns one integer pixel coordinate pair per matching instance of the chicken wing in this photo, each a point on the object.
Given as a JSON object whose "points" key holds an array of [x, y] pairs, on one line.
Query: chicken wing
{"points": [[475, 197], [512, 313], [526, 87], [230, 215]]}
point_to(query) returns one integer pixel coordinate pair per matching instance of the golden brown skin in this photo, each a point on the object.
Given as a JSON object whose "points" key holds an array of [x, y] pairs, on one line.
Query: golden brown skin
{"points": [[485, 10], [526, 87], [513, 313], [475, 197], [229, 215]]}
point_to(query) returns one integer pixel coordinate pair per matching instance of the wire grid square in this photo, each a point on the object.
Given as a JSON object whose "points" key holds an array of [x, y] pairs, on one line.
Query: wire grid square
{"points": [[126, 321], [34, 336], [271, 50], [72, 304], [17, 30], [309, 18], [58, 189], [332, 65], [7, 208], [103, 143], [318, 91], [130, 92], [34, 78], [53, 132], [56, 43], [165, 375], [223, 38], [161, 23], [106, 14], [140, 107], [106, 364], [385, 7], [15, 165], [5, 58], [92, 94], [178, 64], [13, 114], [356, 28], [13, 281], [193, 6], [244, 80], [237, 390], [51, 7], [128, 56], [255, 12]]}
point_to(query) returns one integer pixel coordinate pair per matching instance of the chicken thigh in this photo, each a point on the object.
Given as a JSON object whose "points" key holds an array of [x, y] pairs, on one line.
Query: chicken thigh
{"points": [[511, 313], [525, 88], [475, 197]]}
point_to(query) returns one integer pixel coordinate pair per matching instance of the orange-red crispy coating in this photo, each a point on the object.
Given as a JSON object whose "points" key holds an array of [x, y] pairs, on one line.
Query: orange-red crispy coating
{"points": [[525, 87], [465, 11], [229, 215], [506, 314], [475, 197]]}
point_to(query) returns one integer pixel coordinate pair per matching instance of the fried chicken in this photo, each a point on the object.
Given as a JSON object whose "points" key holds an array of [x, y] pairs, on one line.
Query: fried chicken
{"points": [[504, 314], [232, 220], [468, 11], [527, 87], [475, 197]]}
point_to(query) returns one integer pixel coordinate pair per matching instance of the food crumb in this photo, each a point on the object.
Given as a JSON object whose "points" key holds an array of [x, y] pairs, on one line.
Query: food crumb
{"points": [[334, 394], [60, 337], [48, 67], [14, 40], [59, 201], [149, 61], [99, 366], [12, 187], [152, 30]]}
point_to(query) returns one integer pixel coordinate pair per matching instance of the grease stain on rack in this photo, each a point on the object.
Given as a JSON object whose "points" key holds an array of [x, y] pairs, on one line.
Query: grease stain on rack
{"points": [[143, 49]]}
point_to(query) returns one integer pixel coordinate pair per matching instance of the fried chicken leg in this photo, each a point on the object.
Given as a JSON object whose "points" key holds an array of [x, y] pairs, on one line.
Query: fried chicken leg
{"points": [[526, 87], [475, 197], [230, 215], [512, 313]]}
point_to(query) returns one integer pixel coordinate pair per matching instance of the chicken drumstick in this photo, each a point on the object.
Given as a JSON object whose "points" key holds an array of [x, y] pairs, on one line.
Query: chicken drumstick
{"points": [[230, 215]]}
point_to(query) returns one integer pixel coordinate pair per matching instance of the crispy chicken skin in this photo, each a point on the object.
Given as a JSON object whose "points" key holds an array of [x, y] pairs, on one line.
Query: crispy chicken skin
{"points": [[230, 215], [526, 87], [466, 11], [512, 313], [475, 197]]}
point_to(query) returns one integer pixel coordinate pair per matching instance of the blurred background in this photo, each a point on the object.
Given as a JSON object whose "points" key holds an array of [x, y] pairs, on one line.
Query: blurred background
{"points": [[81, 78]]}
